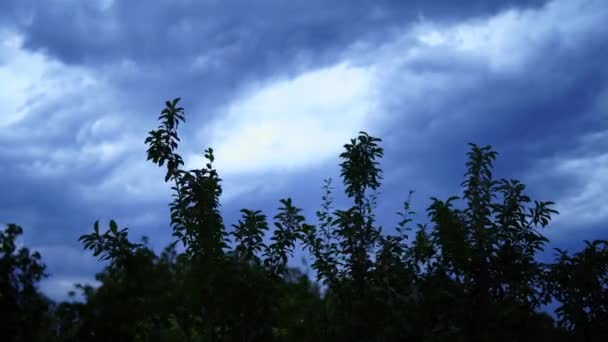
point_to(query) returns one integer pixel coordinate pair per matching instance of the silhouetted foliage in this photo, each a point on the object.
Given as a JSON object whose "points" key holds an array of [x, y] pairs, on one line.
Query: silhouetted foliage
{"points": [[580, 284], [470, 273], [23, 308]]}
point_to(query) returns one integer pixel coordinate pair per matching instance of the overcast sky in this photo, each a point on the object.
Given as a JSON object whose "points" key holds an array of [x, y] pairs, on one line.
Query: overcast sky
{"points": [[276, 88]]}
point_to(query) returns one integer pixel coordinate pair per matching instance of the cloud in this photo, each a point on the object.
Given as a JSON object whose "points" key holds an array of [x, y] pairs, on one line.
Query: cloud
{"points": [[57, 288], [66, 138], [34, 78], [423, 71], [102, 30], [293, 123], [525, 81], [586, 207], [581, 177]]}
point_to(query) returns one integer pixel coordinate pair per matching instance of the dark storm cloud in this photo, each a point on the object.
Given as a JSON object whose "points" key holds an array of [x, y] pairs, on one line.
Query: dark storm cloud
{"points": [[205, 50], [82, 31], [236, 41]]}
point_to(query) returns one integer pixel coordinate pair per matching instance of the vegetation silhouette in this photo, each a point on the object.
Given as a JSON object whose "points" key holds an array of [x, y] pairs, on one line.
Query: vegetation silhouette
{"points": [[469, 274]]}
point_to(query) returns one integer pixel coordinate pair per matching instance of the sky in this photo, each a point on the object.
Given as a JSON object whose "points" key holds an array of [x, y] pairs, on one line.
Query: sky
{"points": [[276, 88]]}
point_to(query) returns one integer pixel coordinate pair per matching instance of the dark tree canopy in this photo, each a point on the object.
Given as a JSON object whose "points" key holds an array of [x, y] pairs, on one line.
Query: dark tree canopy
{"points": [[470, 273]]}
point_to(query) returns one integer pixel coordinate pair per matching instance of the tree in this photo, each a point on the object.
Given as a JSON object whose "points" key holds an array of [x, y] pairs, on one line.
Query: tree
{"points": [[580, 284], [23, 308]]}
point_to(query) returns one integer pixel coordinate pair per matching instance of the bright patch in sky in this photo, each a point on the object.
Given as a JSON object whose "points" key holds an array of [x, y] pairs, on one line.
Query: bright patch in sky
{"points": [[32, 79], [585, 207], [296, 123], [506, 41], [20, 72]]}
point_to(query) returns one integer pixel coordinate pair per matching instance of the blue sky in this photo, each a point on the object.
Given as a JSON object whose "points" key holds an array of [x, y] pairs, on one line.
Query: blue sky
{"points": [[276, 88]]}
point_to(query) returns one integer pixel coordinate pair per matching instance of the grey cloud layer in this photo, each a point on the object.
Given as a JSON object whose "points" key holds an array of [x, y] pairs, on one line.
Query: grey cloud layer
{"points": [[81, 31]]}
